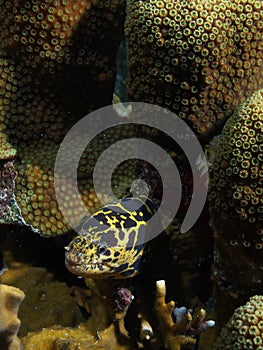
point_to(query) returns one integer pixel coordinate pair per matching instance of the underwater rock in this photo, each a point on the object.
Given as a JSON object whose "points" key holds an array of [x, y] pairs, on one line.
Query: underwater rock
{"points": [[101, 331], [10, 300], [80, 337], [9, 211], [200, 59]]}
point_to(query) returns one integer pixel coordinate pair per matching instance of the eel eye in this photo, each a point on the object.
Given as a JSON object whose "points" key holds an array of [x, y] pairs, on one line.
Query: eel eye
{"points": [[102, 249]]}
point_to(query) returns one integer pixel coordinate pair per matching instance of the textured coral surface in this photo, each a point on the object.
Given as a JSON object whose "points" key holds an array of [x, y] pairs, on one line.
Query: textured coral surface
{"points": [[244, 330], [200, 59], [57, 64], [46, 298], [236, 198], [10, 300]]}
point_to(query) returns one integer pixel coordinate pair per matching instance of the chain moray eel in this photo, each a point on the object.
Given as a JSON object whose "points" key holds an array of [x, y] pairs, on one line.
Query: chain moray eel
{"points": [[114, 241]]}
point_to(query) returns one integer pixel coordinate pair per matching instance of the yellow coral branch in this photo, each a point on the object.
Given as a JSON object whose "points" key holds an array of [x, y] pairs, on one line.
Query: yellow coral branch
{"points": [[170, 331], [10, 300]]}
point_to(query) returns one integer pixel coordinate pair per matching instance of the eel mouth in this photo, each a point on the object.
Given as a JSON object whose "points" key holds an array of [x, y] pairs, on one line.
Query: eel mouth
{"points": [[70, 261], [77, 266], [73, 261], [72, 265]]}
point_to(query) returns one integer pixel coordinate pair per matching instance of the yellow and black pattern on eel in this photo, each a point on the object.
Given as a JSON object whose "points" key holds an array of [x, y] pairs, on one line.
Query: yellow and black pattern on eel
{"points": [[114, 241]]}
